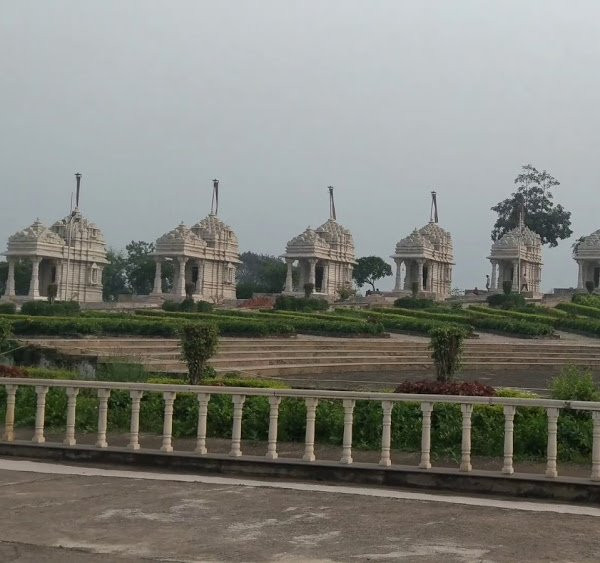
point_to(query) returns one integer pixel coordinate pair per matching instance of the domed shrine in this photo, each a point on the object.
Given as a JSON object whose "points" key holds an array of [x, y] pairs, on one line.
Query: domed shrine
{"points": [[325, 257], [517, 257], [427, 257], [71, 255], [587, 255], [206, 255]]}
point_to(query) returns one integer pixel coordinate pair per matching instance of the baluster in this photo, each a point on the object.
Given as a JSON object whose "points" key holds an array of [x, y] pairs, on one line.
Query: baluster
{"points": [[596, 446], [134, 429], [426, 409], [72, 393], [309, 440], [273, 418], [509, 426], [40, 411], [169, 398], [203, 399], [386, 433], [236, 432], [9, 421], [103, 396], [347, 441], [465, 463], [552, 446]]}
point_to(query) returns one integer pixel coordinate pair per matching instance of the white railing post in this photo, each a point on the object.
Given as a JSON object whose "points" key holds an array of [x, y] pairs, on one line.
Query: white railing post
{"points": [[203, 399], [40, 412], [309, 440], [169, 398], [134, 428], [9, 419], [347, 441], [551, 470], [465, 462], [103, 396], [236, 431], [273, 420], [509, 426], [72, 393], [426, 409], [386, 433], [596, 446]]}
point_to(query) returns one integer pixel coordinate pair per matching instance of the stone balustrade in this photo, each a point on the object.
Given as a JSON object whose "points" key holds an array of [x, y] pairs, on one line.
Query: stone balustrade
{"points": [[311, 397]]}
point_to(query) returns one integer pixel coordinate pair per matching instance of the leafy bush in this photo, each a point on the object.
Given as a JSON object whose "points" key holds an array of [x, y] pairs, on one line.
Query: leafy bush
{"points": [[429, 387], [198, 345], [574, 384], [512, 326], [12, 371], [291, 303], [204, 307], [447, 347], [187, 305], [506, 300], [414, 303], [8, 308], [55, 309], [5, 333], [169, 305], [589, 300]]}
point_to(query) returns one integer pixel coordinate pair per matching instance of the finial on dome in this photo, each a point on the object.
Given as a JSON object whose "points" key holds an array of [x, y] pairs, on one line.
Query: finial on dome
{"points": [[78, 180], [214, 207], [332, 214], [433, 216]]}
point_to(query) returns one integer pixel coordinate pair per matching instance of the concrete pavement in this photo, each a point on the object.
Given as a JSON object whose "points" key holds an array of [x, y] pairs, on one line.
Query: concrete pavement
{"points": [[60, 513]]}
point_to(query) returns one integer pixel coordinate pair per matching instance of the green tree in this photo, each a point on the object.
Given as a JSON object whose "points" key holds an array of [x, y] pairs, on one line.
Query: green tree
{"points": [[114, 276], [260, 273], [534, 192], [447, 347], [139, 267], [369, 269]]}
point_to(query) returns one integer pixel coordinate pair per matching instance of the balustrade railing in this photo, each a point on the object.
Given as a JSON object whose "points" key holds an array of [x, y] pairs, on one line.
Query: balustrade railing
{"points": [[311, 398]]}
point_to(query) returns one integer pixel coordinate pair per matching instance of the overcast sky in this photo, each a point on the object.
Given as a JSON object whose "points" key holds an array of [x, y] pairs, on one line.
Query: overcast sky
{"points": [[385, 100]]}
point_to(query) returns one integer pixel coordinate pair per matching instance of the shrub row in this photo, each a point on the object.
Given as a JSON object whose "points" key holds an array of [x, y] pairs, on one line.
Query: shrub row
{"points": [[582, 310], [414, 303], [506, 300], [574, 429], [432, 387], [56, 309], [187, 305], [290, 303], [586, 299], [8, 308]]}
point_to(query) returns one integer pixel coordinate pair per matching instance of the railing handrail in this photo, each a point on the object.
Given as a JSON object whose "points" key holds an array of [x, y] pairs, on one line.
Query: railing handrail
{"points": [[303, 393]]}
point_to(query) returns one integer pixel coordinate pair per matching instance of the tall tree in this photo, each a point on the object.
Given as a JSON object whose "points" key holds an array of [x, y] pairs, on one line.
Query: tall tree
{"points": [[369, 269], [114, 276], [139, 267], [260, 273], [534, 192]]}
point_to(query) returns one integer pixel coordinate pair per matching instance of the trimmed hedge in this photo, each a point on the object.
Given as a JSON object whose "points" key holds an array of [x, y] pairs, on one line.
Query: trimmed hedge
{"points": [[506, 300], [56, 309], [290, 303], [8, 308], [414, 303], [583, 310], [586, 299]]}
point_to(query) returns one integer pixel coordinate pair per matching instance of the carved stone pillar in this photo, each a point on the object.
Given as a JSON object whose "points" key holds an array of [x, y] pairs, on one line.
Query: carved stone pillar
{"points": [[580, 284], [312, 262], [10, 281], [398, 285], [516, 281], [289, 280], [494, 282], [181, 276], [157, 290], [420, 265], [200, 278], [325, 282], [34, 284]]}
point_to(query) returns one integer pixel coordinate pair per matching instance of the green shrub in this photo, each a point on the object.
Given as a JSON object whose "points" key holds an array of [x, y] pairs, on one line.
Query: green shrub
{"points": [[8, 308], [169, 305], [204, 307], [198, 345], [511, 326], [5, 333], [589, 300], [413, 303], [187, 305], [291, 303], [507, 287], [575, 384], [54, 309], [506, 300], [447, 347]]}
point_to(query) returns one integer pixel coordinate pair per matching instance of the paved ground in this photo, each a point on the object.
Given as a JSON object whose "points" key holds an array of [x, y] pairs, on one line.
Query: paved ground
{"points": [[55, 513]]}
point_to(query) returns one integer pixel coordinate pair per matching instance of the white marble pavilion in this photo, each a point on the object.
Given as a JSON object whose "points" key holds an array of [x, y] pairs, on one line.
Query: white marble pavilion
{"points": [[325, 257], [517, 256], [206, 254], [587, 255], [71, 254], [428, 257]]}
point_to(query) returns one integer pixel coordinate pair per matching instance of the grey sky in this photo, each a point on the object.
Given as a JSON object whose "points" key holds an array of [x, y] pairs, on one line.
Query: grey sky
{"points": [[385, 100]]}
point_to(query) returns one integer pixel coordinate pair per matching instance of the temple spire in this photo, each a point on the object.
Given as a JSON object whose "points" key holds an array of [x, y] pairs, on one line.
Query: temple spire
{"points": [[522, 215], [214, 207], [433, 215], [78, 178], [332, 214]]}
